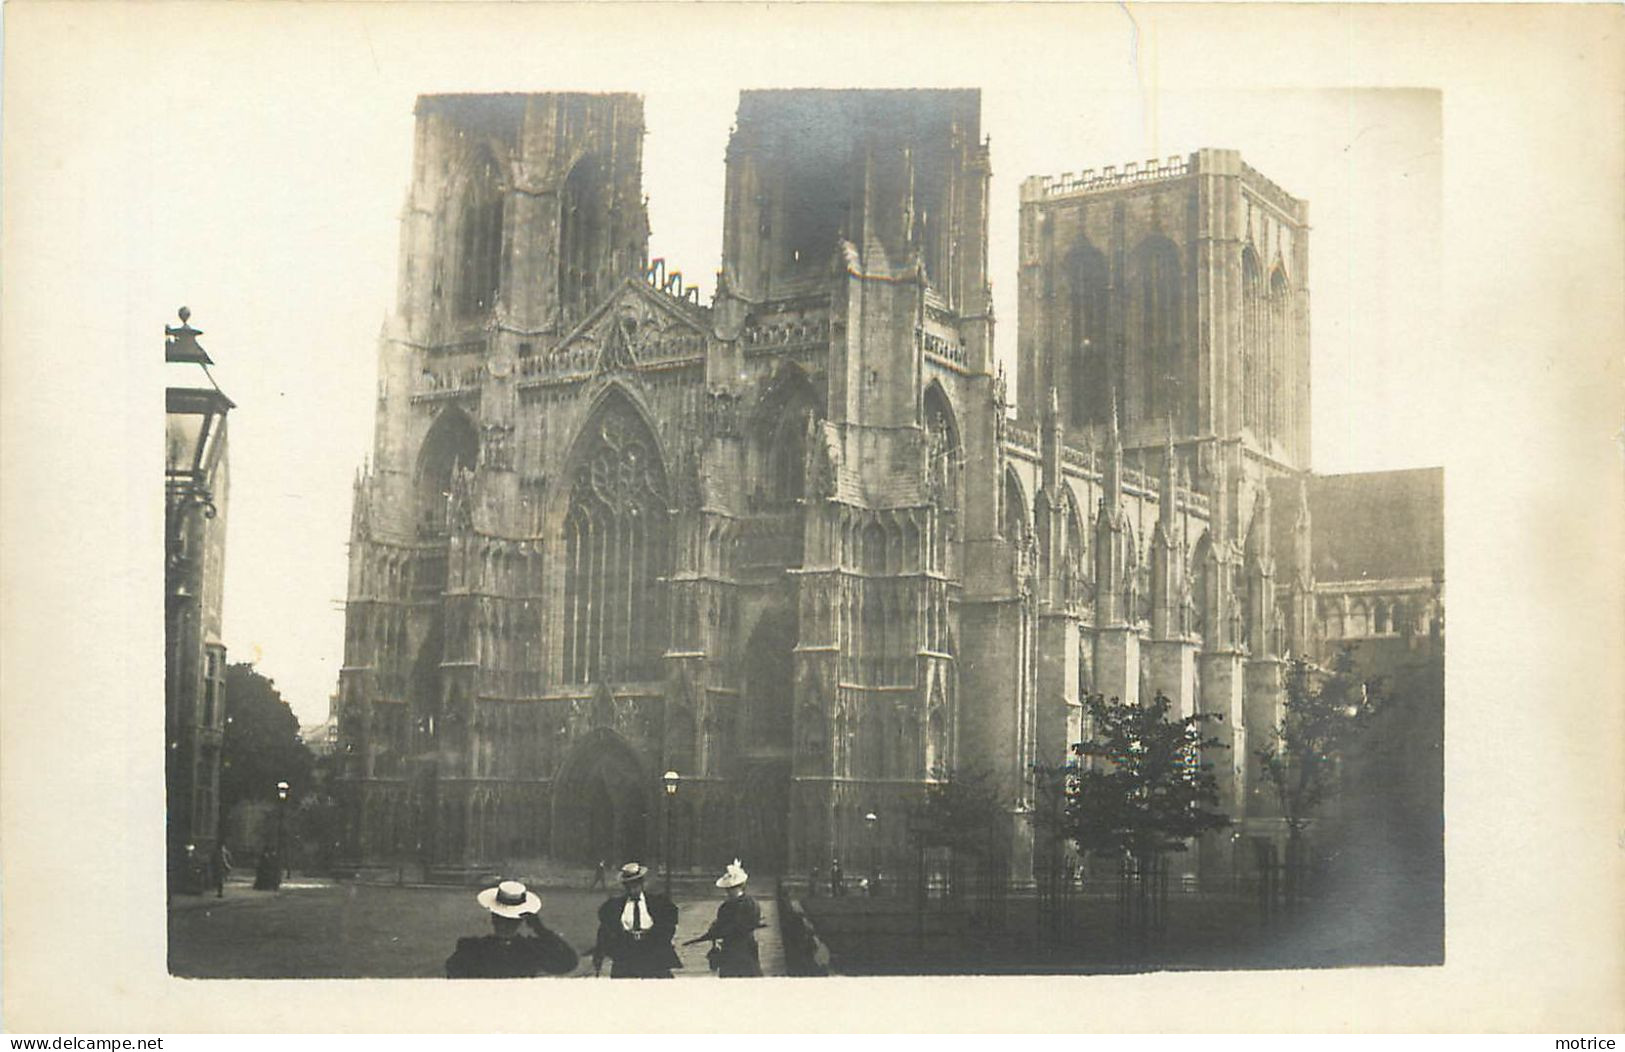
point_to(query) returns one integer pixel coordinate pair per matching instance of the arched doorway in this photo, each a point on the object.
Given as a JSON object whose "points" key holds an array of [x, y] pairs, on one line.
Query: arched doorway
{"points": [[764, 842], [770, 682], [764, 816], [601, 804]]}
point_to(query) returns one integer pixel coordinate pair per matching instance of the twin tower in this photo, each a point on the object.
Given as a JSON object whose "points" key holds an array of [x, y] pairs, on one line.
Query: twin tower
{"points": [[791, 546]]}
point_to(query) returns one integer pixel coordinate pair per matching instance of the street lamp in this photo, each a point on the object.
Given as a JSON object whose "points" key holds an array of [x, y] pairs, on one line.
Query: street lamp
{"points": [[194, 446], [282, 828], [870, 822], [669, 780], [194, 422]]}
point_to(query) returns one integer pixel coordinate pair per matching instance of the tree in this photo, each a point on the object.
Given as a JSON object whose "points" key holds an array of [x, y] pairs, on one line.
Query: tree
{"points": [[1327, 712], [261, 745], [1138, 789], [962, 813]]}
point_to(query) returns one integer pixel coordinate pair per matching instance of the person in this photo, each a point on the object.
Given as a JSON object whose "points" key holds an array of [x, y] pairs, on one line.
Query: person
{"points": [[598, 876], [268, 871], [219, 866], [508, 953], [733, 952], [635, 930], [837, 886]]}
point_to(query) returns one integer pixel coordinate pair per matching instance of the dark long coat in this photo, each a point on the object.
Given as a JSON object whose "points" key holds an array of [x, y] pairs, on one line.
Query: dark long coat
{"points": [[735, 932], [650, 957], [493, 957]]}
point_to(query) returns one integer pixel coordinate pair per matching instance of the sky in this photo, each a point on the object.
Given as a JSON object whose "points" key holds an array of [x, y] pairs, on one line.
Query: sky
{"points": [[266, 198]]}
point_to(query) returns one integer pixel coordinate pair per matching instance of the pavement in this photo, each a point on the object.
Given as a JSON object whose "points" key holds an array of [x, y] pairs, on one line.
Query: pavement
{"points": [[314, 927]]}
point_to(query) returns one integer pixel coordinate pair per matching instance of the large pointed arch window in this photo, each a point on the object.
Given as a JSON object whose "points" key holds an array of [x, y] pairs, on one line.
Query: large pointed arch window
{"points": [[942, 449], [479, 231], [616, 550], [583, 237], [1158, 327], [1088, 291], [1015, 510], [445, 460], [1275, 402], [787, 411], [1254, 340]]}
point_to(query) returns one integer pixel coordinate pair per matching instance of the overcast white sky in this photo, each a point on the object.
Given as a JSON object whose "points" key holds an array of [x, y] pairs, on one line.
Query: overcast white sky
{"points": [[264, 192]]}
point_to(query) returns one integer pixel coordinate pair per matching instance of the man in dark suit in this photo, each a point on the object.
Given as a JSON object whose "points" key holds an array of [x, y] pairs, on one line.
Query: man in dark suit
{"points": [[635, 929]]}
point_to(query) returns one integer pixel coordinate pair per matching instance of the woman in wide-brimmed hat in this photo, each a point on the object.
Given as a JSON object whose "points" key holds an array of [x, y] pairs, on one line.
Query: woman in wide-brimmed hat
{"points": [[507, 953], [733, 934]]}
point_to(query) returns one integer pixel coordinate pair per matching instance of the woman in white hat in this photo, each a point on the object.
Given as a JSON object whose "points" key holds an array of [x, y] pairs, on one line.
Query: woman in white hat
{"points": [[507, 953], [733, 934]]}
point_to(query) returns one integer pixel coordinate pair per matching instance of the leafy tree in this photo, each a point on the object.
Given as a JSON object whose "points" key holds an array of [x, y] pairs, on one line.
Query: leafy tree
{"points": [[1326, 713], [1141, 787], [261, 745], [1137, 788], [962, 811]]}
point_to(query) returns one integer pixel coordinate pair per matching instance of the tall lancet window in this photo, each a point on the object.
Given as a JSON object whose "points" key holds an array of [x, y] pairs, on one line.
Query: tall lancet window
{"points": [[1280, 343], [479, 235], [942, 476], [583, 238], [1254, 341], [1157, 328], [445, 463], [616, 549], [1089, 381], [787, 413]]}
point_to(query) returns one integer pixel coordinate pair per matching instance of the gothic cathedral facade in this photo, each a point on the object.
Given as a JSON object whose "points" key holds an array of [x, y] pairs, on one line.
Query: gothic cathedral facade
{"points": [[791, 544]]}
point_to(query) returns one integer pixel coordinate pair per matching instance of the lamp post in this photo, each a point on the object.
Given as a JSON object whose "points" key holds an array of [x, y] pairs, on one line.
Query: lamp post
{"points": [[283, 869], [870, 822], [194, 445], [670, 780]]}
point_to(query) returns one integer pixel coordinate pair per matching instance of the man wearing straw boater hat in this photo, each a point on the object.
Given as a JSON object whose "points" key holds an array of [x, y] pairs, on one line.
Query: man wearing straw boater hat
{"points": [[733, 952], [508, 953], [635, 929]]}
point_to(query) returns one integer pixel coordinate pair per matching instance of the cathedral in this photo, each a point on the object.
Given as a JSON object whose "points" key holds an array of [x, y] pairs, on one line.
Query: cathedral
{"points": [[799, 545]]}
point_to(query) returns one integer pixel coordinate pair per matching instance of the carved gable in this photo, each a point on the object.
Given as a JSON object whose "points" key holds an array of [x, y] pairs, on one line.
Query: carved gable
{"points": [[635, 327]]}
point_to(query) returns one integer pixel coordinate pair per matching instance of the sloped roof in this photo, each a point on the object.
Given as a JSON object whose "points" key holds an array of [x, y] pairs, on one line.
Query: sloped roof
{"points": [[1377, 525]]}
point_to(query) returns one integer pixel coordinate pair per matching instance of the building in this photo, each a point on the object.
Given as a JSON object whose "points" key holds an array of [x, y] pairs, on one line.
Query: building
{"points": [[196, 485], [322, 738], [791, 544]]}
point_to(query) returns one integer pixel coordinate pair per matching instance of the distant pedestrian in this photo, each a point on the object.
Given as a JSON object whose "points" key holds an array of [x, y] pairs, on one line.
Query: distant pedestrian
{"points": [[836, 887], [733, 953], [812, 883], [219, 867], [508, 953], [635, 930], [598, 877], [268, 871], [195, 867]]}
